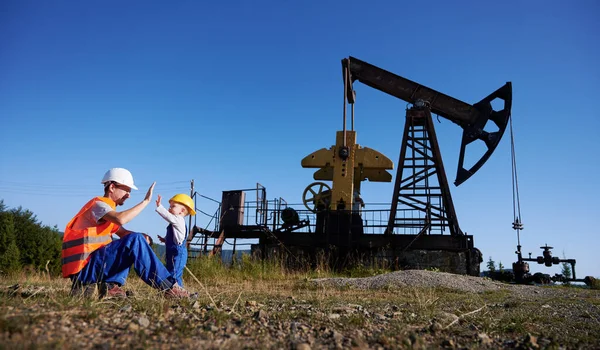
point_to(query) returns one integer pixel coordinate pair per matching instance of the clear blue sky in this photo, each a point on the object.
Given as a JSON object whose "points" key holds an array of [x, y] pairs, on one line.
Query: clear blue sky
{"points": [[238, 92]]}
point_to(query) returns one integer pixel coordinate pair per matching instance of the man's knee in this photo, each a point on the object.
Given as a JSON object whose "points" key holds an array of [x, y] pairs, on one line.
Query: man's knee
{"points": [[134, 237]]}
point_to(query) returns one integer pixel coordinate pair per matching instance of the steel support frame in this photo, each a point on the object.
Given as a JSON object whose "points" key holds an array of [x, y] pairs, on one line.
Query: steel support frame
{"points": [[420, 160]]}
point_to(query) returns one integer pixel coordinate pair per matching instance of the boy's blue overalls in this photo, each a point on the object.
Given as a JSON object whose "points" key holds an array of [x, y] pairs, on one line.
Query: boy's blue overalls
{"points": [[176, 254]]}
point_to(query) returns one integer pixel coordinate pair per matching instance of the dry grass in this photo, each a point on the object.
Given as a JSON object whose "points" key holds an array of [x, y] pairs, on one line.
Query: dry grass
{"points": [[265, 306]]}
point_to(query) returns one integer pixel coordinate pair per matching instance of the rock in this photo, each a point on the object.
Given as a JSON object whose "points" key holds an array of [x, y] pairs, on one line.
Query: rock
{"points": [[144, 322], [303, 346], [133, 327], [380, 317], [261, 315], [484, 339], [435, 327], [337, 336]]}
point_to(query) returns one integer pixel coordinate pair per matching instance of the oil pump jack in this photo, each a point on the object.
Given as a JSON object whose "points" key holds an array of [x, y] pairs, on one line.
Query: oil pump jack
{"points": [[421, 200], [419, 230]]}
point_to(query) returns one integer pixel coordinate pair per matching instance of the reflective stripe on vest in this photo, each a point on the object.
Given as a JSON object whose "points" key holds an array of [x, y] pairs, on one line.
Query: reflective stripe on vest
{"points": [[78, 245]]}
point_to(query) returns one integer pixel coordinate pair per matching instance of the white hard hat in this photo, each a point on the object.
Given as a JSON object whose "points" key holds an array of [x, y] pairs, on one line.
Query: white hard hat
{"points": [[119, 175]]}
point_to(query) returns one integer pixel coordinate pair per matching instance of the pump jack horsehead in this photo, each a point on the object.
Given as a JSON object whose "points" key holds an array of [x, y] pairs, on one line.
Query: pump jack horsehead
{"points": [[347, 164]]}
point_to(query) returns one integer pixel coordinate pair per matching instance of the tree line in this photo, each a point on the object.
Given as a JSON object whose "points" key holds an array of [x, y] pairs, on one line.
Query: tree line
{"points": [[26, 243]]}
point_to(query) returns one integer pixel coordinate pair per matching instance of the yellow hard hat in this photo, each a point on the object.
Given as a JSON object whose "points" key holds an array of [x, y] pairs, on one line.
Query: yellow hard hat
{"points": [[186, 200]]}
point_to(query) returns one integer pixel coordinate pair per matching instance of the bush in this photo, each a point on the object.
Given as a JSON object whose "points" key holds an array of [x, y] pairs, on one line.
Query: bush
{"points": [[592, 282], [25, 242], [10, 257]]}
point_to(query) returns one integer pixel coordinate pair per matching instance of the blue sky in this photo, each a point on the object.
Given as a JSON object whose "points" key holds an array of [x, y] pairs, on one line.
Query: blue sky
{"points": [[238, 92]]}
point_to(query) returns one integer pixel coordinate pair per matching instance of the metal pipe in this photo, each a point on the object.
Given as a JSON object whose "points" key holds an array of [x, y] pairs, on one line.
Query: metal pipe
{"points": [[188, 238], [345, 96], [352, 117]]}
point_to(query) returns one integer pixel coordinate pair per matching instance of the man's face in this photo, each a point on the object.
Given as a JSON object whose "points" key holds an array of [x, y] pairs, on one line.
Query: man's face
{"points": [[120, 193]]}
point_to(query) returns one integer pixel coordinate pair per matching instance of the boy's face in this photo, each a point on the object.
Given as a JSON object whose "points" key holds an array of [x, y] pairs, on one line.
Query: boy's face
{"points": [[177, 209]]}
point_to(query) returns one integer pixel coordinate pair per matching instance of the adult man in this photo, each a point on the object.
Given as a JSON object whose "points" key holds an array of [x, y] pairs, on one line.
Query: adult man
{"points": [[90, 256]]}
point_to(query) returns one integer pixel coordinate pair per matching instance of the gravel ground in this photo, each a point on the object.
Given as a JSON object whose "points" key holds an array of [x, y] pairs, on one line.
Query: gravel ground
{"points": [[398, 310], [429, 279]]}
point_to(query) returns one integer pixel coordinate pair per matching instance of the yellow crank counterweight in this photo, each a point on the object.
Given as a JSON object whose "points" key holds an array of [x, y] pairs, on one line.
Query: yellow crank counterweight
{"points": [[347, 166]]}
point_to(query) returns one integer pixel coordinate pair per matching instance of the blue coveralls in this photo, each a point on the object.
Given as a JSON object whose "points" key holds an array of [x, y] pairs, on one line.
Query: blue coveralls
{"points": [[176, 255], [111, 264]]}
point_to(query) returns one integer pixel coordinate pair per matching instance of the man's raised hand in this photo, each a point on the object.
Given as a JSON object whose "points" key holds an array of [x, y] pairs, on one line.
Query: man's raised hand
{"points": [[149, 193]]}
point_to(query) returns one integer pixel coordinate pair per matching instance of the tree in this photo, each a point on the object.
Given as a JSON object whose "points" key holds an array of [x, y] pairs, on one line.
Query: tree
{"points": [[10, 257], [26, 230], [500, 267], [566, 269], [37, 244], [491, 265]]}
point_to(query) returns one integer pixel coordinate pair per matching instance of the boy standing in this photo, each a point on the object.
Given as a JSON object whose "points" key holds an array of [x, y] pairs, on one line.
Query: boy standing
{"points": [[180, 206]]}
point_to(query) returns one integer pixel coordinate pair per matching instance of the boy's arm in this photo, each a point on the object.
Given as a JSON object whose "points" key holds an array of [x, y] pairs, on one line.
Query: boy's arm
{"points": [[178, 223], [162, 211]]}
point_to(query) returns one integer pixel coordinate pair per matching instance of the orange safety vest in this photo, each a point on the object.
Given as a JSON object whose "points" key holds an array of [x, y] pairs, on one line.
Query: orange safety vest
{"points": [[78, 245]]}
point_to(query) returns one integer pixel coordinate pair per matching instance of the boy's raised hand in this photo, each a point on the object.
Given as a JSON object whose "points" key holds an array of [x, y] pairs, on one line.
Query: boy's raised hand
{"points": [[158, 198]]}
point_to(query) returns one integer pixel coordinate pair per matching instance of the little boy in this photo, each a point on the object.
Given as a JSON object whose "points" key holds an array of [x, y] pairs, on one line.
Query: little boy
{"points": [[176, 251]]}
